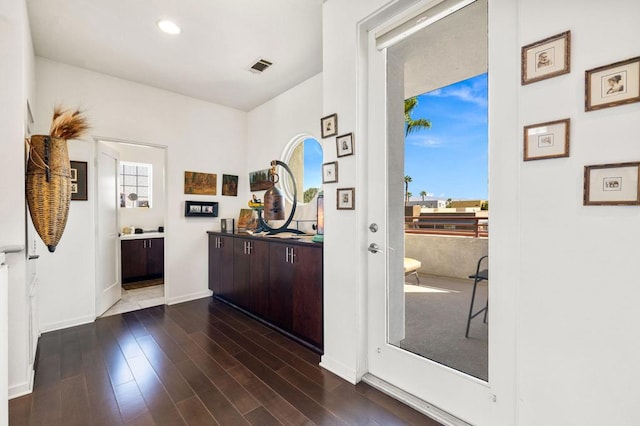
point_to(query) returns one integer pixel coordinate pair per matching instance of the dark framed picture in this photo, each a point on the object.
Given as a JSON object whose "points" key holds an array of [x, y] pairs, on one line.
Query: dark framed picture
{"points": [[201, 208], [330, 172], [346, 198], [230, 185], [612, 184], [259, 180], [78, 180], [612, 85], [546, 140], [329, 125], [344, 145], [200, 183], [546, 58]]}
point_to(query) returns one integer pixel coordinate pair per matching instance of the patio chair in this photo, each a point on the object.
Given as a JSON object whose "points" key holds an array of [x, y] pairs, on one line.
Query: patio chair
{"points": [[480, 275], [411, 267]]}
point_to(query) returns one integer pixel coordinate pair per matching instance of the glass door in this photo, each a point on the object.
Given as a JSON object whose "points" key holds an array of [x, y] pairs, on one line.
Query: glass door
{"points": [[391, 81]]}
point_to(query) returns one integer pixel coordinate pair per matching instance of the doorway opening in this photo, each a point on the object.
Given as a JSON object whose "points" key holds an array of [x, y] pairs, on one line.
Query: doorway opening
{"points": [[139, 210]]}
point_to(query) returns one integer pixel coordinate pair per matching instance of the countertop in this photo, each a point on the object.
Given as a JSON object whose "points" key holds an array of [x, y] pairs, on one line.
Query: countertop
{"points": [[285, 237], [142, 236]]}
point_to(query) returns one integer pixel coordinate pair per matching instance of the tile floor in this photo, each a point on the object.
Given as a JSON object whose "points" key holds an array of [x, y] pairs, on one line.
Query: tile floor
{"points": [[138, 298]]}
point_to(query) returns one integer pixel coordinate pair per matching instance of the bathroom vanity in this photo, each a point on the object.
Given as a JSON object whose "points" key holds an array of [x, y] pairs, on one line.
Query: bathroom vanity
{"points": [[142, 256]]}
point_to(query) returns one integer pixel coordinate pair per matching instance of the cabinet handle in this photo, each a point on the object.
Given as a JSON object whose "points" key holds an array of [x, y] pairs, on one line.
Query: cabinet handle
{"points": [[149, 243], [293, 256], [144, 243], [218, 242], [247, 247], [289, 255]]}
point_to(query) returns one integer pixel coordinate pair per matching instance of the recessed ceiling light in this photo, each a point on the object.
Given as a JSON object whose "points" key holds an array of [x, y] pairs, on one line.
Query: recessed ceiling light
{"points": [[168, 27]]}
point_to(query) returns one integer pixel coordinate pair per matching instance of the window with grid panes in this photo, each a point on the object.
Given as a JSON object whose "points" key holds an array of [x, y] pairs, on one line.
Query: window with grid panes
{"points": [[135, 184]]}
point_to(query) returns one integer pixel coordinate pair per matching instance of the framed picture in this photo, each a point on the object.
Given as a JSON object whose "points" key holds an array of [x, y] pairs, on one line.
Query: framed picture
{"points": [[546, 140], [230, 185], [612, 85], [346, 198], [329, 125], [612, 184], [330, 172], [546, 58], [344, 145], [259, 180], [200, 183], [201, 208], [227, 225], [78, 180], [246, 220]]}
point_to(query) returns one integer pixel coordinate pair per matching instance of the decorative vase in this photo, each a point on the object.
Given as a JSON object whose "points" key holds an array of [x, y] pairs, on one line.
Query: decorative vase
{"points": [[48, 187]]}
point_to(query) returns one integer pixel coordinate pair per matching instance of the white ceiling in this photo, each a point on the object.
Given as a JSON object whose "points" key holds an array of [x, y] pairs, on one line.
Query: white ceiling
{"points": [[209, 60]]}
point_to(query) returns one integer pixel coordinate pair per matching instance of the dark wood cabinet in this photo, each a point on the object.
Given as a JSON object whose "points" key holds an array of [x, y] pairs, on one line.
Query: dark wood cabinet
{"points": [[142, 259], [276, 281], [251, 274], [220, 257]]}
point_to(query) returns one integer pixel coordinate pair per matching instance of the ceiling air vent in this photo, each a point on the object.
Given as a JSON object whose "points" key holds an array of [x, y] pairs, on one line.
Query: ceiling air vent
{"points": [[260, 66]]}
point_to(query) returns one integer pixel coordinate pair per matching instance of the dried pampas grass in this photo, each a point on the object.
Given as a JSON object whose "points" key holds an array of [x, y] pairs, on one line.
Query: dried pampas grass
{"points": [[68, 124]]}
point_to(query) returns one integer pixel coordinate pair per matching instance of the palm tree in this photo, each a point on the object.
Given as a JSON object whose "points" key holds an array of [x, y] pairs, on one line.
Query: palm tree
{"points": [[407, 179], [423, 194], [409, 195], [413, 125]]}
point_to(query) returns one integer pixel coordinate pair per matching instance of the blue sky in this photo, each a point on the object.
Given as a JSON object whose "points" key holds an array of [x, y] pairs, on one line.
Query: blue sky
{"points": [[449, 160]]}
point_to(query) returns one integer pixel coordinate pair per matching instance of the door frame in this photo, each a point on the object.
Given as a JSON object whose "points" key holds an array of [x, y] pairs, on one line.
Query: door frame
{"points": [[464, 396], [165, 148]]}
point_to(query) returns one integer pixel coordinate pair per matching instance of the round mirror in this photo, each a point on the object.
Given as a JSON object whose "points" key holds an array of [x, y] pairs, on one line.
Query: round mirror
{"points": [[303, 155]]}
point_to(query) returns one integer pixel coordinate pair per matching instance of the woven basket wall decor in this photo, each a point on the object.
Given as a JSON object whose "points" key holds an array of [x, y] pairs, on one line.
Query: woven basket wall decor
{"points": [[48, 187]]}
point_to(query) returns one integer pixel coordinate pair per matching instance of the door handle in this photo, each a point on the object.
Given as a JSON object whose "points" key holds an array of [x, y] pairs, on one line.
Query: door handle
{"points": [[373, 248]]}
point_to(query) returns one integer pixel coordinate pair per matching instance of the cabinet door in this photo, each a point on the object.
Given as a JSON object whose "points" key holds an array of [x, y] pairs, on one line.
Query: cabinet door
{"points": [[214, 264], [280, 311], [221, 265], [155, 257], [250, 275], [259, 281], [226, 265], [133, 260], [241, 272], [307, 293]]}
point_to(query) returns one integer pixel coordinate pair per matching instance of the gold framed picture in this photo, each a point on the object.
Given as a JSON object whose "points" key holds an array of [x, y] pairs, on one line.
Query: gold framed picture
{"points": [[546, 58], [346, 198], [546, 140], [612, 85], [612, 184]]}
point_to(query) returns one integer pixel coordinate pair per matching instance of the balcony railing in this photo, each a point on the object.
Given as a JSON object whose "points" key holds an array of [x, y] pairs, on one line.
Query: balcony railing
{"points": [[443, 224]]}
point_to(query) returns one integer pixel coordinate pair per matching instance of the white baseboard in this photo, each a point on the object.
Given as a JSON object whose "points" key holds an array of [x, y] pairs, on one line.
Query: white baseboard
{"points": [[339, 369], [66, 323], [188, 297], [414, 402], [23, 388]]}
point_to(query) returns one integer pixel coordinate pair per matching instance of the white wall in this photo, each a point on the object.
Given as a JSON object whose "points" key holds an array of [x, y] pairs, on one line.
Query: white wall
{"points": [[577, 310], [564, 280], [16, 86], [273, 124], [199, 136]]}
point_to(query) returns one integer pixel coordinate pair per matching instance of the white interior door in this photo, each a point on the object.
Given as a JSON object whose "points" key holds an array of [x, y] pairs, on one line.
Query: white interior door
{"points": [[448, 390], [108, 285]]}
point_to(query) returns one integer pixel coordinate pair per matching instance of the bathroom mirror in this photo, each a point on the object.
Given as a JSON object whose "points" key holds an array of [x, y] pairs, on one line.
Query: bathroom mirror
{"points": [[303, 155]]}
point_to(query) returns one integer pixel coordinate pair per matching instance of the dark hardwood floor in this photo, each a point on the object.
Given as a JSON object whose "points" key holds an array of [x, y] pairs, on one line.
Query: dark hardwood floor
{"points": [[196, 363]]}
